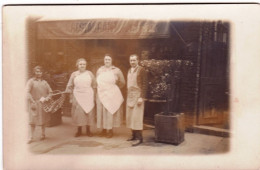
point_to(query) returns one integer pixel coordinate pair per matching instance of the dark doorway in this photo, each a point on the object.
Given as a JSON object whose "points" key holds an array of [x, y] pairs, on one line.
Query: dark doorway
{"points": [[214, 77]]}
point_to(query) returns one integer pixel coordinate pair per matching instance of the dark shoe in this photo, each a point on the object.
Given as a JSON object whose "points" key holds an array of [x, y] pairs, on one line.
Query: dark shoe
{"points": [[110, 134], [139, 137], [42, 137], [78, 132], [30, 141], [137, 142], [103, 133], [133, 136], [89, 134]]}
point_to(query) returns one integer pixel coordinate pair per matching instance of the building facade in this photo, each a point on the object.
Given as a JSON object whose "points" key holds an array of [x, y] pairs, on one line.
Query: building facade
{"points": [[202, 90]]}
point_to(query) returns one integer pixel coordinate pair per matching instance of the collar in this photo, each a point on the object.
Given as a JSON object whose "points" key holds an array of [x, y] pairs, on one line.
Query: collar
{"points": [[35, 79], [111, 68], [135, 69], [78, 72]]}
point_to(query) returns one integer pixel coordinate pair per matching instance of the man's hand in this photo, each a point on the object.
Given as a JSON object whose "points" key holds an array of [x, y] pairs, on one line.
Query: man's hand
{"points": [[139, 101], [33, 101]]}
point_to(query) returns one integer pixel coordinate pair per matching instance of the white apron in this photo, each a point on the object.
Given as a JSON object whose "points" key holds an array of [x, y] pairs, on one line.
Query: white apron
{"points": [[134, 112], [83, 91], [133, 91], [108, 92]]}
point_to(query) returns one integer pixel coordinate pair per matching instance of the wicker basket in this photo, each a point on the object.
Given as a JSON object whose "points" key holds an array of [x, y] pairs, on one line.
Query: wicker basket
{"points": [[169, 128]]}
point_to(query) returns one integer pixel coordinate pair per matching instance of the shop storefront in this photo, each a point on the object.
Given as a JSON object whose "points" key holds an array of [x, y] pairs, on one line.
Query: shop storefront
{"points": [[202, 93]]}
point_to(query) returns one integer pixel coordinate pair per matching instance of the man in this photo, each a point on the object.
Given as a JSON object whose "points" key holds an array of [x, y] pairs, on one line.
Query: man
{"points": [[136, 91]]}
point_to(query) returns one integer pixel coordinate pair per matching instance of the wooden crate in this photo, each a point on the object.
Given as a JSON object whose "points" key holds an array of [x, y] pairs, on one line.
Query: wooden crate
{"points": [[54, 119], [66, 108], [66, 111], [169, 128]]}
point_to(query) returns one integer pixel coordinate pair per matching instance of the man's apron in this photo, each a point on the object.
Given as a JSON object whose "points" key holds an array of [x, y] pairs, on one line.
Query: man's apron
{"points": [[133, 93], [134, 112], [108, 92], [83, 91]]}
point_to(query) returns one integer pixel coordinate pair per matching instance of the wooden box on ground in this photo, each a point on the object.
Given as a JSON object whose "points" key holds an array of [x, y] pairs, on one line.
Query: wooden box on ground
{"points": [[54, 119], [169, 128], [66, 111], [66, 108]]}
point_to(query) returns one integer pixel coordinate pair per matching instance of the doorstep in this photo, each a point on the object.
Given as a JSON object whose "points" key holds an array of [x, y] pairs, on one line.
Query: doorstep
{"points": [[207, 130], [148, 126]]}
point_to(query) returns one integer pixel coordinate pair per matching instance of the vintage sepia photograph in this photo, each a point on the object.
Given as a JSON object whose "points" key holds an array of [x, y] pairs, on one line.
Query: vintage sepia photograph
{"points": [[126, 81]]}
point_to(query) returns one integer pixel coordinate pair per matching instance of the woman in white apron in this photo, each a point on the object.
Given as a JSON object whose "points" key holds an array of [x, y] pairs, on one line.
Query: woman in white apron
{"points": [[109, 97], [80, 85]]}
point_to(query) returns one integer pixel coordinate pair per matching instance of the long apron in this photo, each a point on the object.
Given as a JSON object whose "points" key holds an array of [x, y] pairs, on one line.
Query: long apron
{"points": [[134, 112], [37, 116], [83, 101], [108, 92]]}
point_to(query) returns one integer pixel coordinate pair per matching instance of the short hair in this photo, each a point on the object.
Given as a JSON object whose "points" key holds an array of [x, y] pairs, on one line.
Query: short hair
{"points": [[134, 55], [80, 59], [107, 54], [37, 68]]}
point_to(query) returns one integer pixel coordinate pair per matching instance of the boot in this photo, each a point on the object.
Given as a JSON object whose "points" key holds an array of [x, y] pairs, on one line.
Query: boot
{"points": [[42, 137], [88, 131], [110, 133], [139, 138], [133, 136], [32, 132], [78, 132], [43, 133], [103, 133], [30, 141]]}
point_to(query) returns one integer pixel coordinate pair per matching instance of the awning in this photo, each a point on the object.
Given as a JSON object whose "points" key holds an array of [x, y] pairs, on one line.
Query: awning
{"points": [[102, 29]]}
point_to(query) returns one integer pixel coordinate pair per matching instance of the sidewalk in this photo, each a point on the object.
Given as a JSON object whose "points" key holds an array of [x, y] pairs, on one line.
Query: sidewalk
{"points": [[60, 140]]}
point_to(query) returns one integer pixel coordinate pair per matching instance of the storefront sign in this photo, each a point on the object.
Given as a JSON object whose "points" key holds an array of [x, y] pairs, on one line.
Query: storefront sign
{"points": [[102, 29]]}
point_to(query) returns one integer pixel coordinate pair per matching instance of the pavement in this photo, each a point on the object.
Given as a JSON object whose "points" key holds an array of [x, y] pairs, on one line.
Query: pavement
{"points": [[60, 140]]}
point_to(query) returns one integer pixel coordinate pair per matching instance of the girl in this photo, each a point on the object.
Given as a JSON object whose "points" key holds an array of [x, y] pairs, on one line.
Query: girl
{"points": [[38, 91]]}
